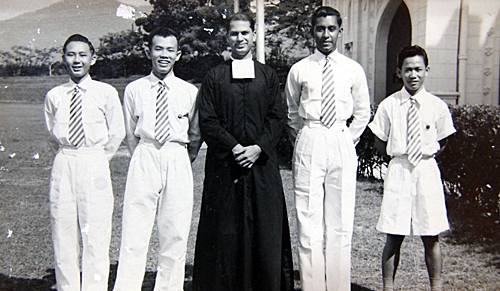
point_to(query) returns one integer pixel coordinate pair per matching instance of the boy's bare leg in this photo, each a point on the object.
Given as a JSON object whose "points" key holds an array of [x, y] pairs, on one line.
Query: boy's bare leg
{"points": [[433, 261], [390, 259]]}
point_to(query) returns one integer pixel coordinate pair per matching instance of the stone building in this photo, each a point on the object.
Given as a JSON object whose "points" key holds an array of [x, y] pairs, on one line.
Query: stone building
{"points": [[462, 38]]}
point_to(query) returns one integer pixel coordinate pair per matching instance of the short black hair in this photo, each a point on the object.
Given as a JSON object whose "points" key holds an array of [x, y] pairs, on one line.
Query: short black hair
{"points": [[163, 32], [240, 16], [411, 51], [325, 11], [80, 38]]}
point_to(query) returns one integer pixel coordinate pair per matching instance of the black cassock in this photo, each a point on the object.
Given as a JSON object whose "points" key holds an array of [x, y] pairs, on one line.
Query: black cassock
{"points": [[243, 240]]}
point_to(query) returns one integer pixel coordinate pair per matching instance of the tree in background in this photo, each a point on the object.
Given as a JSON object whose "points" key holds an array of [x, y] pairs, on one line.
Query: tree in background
{"points": [[201, 25], [121, 54], [288, 34], [288, 26], [26, 61], [122, 44]]}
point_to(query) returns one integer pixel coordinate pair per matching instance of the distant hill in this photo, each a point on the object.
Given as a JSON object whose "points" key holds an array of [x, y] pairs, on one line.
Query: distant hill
{"points": [[49, 27]]}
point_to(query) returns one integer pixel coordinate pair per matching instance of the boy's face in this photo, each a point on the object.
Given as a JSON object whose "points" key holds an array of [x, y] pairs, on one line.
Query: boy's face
{"points": [[78, 58], [413, 72], [326, 32], [163, 54], [240, 38]]}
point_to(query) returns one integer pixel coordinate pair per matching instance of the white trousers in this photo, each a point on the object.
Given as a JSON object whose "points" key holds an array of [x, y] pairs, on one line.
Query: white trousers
{"points": [[324, 171], [81, 206], [159, 180]]}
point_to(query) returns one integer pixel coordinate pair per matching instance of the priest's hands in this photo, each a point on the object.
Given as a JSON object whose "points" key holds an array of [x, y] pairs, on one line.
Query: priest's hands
{"points": [[246, 156]]}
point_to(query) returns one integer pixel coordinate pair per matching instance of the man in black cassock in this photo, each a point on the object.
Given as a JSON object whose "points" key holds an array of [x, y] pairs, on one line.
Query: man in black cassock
{"points": [[243, 240]]}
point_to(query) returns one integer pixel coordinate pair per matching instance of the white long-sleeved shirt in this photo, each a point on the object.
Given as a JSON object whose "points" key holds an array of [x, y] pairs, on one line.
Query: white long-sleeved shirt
{"points": [[390, 123], [102, 115], [139, 106], [303, 92]]}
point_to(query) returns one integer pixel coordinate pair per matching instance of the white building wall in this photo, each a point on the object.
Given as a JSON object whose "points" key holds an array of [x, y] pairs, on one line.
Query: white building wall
{"points": [[495, 86], [441, 43], [436, 27], [483, 52]]}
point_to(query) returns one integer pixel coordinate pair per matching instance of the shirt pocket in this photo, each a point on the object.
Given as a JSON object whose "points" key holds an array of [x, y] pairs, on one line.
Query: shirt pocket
{"points": [[178, 113], [179, 109], [429, 130]]}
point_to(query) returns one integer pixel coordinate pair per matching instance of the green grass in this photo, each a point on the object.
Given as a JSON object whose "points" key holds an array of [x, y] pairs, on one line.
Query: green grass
{"points": [[26, 256]]}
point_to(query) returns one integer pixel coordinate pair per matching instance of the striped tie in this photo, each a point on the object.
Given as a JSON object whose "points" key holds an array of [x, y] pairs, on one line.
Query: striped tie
{"points": [[328, 96], [76, 133], [414, 147], [162, 125]]}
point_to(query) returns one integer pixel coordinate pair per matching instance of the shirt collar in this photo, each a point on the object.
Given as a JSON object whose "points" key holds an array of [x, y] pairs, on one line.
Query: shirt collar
{"points": [[84, 83], [155, 80], [405, 95], [321, 58]]}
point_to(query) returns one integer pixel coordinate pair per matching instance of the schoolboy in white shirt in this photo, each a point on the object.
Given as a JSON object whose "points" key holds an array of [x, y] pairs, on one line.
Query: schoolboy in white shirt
{"points": [[85, 120], [163, 137], [409, 126]]}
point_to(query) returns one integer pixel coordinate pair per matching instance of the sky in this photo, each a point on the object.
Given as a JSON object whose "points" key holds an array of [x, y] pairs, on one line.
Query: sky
{"points": [[13, 8]]}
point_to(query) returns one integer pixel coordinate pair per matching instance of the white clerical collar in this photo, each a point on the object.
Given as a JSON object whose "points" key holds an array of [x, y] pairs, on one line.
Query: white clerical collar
{"points": [[243, 68]]}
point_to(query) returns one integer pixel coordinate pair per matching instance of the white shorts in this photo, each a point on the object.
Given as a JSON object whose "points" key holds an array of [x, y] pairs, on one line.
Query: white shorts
{"points": [[413, 199]]}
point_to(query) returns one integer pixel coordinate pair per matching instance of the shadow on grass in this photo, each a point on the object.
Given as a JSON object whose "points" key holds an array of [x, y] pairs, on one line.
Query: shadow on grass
{"points": [[20, 284], [478, 242], [374, 185], [47, 283], [476, 231]]}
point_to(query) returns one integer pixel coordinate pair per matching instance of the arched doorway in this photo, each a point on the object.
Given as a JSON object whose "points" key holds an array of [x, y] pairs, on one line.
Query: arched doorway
{"points": [[399, 36], [393, 32]]}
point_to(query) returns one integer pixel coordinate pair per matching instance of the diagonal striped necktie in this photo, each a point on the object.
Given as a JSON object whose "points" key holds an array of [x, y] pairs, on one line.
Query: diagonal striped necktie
{"points": [[76, 132], [414, 129], [328, 114], [162, 124]]}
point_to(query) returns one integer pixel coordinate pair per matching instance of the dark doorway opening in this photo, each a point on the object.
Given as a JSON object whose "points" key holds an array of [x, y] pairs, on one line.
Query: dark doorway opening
{"points": [[399, 36]]}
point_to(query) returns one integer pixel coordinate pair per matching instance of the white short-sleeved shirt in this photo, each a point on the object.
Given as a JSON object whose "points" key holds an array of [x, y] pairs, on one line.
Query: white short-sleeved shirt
{"points": [[391, 119]]}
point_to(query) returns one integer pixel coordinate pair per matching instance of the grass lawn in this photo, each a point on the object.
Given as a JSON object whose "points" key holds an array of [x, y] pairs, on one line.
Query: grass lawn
{"points": [[26, 254]]}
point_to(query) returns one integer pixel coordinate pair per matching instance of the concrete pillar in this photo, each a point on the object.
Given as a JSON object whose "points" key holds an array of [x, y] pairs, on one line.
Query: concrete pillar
{"points": [[462, 53], [260, 31]]}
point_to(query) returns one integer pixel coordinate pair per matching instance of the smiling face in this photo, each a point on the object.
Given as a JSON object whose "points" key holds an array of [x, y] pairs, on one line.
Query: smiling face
{"points": [[413, 72], [163, 54], [240, 38], [78, 58], [326, 32]]}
